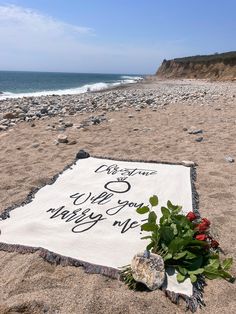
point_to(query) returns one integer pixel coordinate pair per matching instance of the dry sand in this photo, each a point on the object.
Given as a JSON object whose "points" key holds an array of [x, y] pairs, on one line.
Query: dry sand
{"points": [[31, 285]]}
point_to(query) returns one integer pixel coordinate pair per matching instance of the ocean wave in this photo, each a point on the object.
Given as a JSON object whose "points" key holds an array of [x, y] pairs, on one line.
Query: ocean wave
{"points": [[135, 78], [73, 91]]}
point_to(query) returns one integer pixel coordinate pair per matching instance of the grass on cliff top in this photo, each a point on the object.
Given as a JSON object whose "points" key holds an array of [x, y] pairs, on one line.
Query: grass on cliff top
{"points": [[226, 57]]}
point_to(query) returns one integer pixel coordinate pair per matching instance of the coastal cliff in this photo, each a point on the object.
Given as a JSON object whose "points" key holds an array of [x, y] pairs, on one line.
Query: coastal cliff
{"points": [[216, 67]]}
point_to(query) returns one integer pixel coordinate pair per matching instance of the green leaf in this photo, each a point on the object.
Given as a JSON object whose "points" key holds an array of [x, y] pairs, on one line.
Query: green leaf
{"points": [[152, 217], [196, 272], [153, 200], [142, 210], [148, 227], [180, 277], [147, 237], [227, 264], [168, 256], [177, 244], [166, 234], [190, 255], [214, 263], [227, 275], [182, 270], [193, 278], [179, 255], [193, 264], [170, 205], [211, 272], [165, 212]]}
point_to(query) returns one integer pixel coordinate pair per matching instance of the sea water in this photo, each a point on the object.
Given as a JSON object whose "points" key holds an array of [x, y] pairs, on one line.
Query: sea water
{"points": [[19, 84]]}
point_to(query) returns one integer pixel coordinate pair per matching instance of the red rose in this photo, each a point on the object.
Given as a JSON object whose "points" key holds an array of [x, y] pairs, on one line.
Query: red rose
{"points": [[191, 216], [202, 227], [214, 243], [206, 222], [201, 237]]}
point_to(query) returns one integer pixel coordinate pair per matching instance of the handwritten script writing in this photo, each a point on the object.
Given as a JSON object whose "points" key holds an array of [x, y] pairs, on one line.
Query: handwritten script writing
{"points": [[126, 172], [106, 203]]}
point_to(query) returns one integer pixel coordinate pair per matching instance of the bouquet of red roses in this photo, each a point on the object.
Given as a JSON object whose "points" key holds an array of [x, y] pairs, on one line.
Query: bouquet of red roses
{"points": [[184, 242]]}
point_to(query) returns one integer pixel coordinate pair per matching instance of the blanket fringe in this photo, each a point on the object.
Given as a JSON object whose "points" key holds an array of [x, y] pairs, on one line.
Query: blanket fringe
{"points": [[193, 302]]}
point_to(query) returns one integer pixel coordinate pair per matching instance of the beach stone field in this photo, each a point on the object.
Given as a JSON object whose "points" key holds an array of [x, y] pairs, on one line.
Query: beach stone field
{"points": [[153, 120], [34, 108]]}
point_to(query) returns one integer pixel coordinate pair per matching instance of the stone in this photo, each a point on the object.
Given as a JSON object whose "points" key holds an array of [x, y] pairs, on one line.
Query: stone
{"points": [[35, 145], [229, 159], [188, 163], [199, 139], [3, 127], [44, 111], [9, 115], [68, 124], [148, 269], [195, 131], [62, 138]]}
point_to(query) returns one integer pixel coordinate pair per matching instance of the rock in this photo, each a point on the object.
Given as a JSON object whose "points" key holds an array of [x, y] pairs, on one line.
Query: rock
{"points": [[188, 163], [9, 115], [44, 111], [35, 145], [229, 159], [3, 127], [68, 124], [195, 131], [62, 138], [96, 120], [199, 139], [148, 269]]}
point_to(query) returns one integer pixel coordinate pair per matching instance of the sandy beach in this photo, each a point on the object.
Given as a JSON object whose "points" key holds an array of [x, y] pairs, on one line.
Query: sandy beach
{"points": [[150, 120]]}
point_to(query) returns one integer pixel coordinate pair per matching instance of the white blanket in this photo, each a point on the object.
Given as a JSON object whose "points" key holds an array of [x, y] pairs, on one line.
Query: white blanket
{"points": [[89, 212]]}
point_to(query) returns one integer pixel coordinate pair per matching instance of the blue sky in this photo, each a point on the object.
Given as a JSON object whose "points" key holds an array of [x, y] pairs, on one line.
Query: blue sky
{"points": [[111, 36]]}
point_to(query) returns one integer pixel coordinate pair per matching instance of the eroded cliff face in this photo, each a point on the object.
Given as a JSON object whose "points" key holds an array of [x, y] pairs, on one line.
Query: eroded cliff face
{"points": [[215, 68]]}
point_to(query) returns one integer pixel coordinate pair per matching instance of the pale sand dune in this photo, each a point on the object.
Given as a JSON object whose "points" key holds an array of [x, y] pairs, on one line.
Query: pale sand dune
{"points": [[31, 285]]}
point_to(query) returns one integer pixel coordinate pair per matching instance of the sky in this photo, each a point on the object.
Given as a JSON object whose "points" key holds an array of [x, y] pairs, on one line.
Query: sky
{"points": [[111, 36]]}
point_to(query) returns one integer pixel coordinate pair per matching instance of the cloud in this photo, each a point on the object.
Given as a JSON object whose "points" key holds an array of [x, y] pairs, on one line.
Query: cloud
{"points": [[31, 40], [30, 20]]}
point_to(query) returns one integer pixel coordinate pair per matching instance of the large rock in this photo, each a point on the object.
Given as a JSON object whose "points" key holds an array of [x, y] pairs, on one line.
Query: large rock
{"points": [[9, 115], [149, 270]]}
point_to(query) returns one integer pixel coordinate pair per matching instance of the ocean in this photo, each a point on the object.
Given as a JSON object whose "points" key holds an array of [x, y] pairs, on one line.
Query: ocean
{"points": [[19, 84]]}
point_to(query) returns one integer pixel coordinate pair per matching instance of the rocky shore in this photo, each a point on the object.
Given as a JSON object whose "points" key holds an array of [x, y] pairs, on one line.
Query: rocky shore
{"points": [[149, 94]]}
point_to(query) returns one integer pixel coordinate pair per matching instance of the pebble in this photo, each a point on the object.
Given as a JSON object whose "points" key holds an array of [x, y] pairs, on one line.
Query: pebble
{"points": [[229, 159], [195, 131], [188, 163], [68, 124], [199, 139], [62, 138]]}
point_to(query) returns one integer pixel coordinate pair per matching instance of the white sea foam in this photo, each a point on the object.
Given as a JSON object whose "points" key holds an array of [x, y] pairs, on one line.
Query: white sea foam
{"points": [[73, 91]]}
